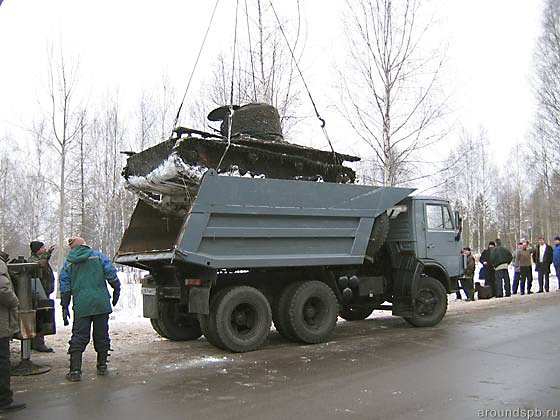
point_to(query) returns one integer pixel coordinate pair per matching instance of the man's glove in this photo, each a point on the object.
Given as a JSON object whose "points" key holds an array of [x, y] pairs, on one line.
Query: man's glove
{"points": [[65, 302], [116, 285], [116, 295], [65, 315]]}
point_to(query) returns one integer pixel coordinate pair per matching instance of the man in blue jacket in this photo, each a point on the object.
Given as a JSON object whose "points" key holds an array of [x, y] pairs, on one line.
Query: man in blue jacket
{"points": [[84, 278], [556, 259]]}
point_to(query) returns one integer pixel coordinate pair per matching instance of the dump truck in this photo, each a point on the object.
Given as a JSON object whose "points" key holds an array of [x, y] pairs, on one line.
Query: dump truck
{"points": [[230, 255]]}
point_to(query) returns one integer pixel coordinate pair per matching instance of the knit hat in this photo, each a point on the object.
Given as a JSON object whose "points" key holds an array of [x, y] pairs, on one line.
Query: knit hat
{"points": [[75, 241], [492, 243], [557, 238], [36, 246]]}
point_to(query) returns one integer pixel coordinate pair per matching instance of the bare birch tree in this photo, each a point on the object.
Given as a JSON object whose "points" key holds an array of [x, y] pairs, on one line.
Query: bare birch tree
{"points": [[389, 85], [63, 115], [545, 147]]}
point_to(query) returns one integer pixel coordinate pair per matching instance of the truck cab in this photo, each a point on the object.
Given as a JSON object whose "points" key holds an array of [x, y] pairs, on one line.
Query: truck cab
{"points": [[428, 226]]}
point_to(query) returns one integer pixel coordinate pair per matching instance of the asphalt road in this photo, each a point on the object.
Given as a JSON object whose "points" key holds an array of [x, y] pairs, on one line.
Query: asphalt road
{"points": [[501, 354]]}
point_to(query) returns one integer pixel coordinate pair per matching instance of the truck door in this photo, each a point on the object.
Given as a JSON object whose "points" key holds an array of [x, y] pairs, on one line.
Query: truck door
{"points": [[440, 237]]}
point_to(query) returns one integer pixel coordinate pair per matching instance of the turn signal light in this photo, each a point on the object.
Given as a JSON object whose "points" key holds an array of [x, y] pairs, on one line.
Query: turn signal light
{"points": [[193, 282]]}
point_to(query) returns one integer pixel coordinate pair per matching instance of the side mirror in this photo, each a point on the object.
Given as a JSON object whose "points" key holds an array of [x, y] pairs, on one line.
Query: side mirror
{"points": [[459, 224]]}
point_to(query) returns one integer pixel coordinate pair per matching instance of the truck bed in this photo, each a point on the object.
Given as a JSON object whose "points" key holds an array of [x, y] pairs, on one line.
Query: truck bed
{"points": [[237, 222]]}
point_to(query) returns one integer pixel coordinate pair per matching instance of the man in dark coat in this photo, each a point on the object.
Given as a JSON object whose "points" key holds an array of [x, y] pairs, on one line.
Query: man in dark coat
{"points": [[84, 277], [500, 257], [9, 325], [467, 281], [523, 259], [41, 255], [542, 256], [487, 272]]}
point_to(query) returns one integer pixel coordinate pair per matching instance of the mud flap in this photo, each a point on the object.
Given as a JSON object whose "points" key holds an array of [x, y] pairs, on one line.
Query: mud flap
{"points": [[150, 306], [406, 278], [199, 300]]}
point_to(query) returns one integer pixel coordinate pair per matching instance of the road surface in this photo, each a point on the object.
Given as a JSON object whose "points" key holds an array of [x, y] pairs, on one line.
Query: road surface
{"points": [[486, 355]]}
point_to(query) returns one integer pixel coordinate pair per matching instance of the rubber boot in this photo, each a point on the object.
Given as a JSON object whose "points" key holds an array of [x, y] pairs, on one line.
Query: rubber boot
{"points": [[38, 344], [75, 373], [102, 362]]}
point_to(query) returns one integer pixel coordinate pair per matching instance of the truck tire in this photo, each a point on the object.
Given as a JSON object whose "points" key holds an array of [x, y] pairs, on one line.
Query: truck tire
{"points": [[430, 303], [378, 234], [176, 326], [208, 322], [280, 311], [312, 312], [355, 313], [243, 318], [156, 327]]}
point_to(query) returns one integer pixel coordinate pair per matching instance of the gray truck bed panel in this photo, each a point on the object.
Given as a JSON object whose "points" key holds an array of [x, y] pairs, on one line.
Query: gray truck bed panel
{"points": [[246, 223], [238, 222]]}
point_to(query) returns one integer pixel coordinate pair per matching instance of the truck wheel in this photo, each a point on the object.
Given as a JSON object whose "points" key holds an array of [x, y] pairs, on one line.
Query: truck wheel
{"points": [[378, 234], [430, 304], [156, 327], [280, 311], [312, 312], [175, 325], [208, 322], [243, 318], [355, 313]]}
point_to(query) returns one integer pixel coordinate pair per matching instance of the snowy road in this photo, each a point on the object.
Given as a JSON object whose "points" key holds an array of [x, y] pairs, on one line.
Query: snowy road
{"points": [[497, 354]]}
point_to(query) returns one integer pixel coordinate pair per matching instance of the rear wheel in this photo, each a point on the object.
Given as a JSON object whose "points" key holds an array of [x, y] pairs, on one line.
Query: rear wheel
{"points": [[312, 312], [175, 325], [280, 311], [208, 322], [355, 313], [242, 318], [430, 303], [156, 327]]}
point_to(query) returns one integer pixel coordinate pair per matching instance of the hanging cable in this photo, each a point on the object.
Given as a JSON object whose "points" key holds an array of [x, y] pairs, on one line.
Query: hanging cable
{"points": [[251, 53], [234, 53], [195, 64], [230, 106], [323, 123]]}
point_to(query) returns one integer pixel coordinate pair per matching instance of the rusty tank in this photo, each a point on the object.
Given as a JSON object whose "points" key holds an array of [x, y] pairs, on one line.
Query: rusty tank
{"points": [[249, 143]]}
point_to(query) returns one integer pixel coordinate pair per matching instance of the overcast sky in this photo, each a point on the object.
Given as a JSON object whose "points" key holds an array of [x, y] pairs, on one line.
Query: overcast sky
{"points": [[129, 44]]}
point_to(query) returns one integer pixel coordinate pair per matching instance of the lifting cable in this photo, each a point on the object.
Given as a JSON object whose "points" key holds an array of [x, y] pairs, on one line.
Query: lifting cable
{"points": [[195, 64], [251, 52], [230, 107], [323, 123]]}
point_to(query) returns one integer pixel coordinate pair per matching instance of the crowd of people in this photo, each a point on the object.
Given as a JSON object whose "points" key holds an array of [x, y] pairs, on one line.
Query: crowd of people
{"points": [[495, 261], [83, 280]]}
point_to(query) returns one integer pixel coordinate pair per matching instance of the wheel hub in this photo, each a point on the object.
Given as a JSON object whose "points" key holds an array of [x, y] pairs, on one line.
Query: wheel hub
{"points": [[243, 318], [425, 302]]}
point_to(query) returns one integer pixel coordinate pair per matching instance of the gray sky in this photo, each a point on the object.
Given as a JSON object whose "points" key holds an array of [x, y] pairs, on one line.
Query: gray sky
{"points": [[129, 44]]}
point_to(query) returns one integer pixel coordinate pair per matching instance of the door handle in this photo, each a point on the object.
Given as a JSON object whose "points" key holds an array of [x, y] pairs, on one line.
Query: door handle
{"points": [[430, 246]]}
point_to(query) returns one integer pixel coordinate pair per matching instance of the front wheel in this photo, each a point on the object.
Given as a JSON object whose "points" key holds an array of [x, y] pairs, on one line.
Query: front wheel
{"points": [[430, 303]]}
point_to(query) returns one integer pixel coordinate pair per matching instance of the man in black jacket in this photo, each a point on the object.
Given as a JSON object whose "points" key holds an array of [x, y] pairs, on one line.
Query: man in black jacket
{"points": [[41, 255], [542, 256], [500, 257], [487, 271]]}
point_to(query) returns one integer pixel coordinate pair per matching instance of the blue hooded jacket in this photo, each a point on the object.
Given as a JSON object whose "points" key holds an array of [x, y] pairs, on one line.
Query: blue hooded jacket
{"points": [[556, 257], [85, 274]]}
